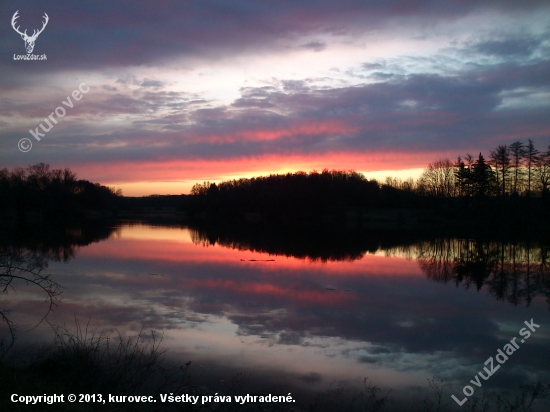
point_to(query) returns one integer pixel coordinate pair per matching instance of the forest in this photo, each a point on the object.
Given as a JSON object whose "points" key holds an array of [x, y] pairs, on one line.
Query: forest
{"points": [[514, 180], [517, 169], [512, 185], [52, 193]]}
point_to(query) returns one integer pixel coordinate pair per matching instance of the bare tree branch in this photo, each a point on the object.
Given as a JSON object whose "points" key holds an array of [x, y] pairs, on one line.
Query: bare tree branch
{"points": [[17, 265]]}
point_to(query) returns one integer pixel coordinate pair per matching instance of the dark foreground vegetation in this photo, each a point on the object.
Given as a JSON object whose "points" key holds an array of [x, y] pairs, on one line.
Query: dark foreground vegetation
{"points": [[83, 361]]}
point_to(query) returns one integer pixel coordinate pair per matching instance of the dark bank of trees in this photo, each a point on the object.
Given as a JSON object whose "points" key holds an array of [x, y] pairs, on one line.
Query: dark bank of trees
{"points": [[296, 196], [51, 192], [512, 185], [509, 189], [512, 181], [518, 169]]}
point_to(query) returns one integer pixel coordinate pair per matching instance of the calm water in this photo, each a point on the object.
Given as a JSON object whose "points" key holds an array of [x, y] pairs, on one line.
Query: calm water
{"points": [[398, 315]]}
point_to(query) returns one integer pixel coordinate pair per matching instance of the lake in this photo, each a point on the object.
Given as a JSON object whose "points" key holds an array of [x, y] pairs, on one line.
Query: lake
{"points": [[292, 320]]}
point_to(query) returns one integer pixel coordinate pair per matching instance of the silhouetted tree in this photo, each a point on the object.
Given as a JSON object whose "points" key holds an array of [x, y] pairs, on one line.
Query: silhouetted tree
{"points": [[438, 179], [464, 181], [481, 176], [200, 189], [469, 161], [531, 156], [460, 177], [542, 173], [517, 152], [501, 160], [408, 185]]}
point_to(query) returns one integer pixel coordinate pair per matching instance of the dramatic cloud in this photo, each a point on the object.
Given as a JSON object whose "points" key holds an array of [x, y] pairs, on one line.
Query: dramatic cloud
{"points": [[223, 88]]}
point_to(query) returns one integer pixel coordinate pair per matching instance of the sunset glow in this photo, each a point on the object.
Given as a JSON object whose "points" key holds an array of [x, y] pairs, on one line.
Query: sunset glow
{"points": [[191, 92]]}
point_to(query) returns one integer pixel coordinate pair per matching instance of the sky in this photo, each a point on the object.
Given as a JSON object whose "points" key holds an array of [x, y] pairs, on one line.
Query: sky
{"points": [[180, 92]]}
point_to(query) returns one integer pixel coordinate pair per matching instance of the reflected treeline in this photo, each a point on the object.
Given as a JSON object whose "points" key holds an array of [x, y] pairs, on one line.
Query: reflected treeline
{"points": [[24, 256], [56, 242], [511, 271], [312, 243]]}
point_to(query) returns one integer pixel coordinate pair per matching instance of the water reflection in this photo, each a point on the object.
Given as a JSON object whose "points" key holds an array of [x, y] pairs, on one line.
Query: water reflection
{"points": [[24, 257], [311, 315], [512, 272], [18, 268], [313, 243], [57, 243]]}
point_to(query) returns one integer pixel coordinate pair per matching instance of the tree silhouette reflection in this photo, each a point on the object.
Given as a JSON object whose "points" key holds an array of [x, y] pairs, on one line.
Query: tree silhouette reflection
{"points": [[512, 272]]}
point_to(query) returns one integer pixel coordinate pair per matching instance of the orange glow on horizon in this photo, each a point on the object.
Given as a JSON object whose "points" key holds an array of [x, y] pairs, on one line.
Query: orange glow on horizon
{"points": [[177, 177]]}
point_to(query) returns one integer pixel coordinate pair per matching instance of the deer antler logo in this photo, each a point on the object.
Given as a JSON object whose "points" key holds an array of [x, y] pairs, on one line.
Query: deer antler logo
{"points": [[29, 40]]}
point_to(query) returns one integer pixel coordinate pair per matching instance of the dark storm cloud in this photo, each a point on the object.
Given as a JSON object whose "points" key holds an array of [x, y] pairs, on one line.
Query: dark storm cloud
{"points": [[424, 111], [517, 47], [295, 86], [155, 84], [109, 88], [91, 35], [374, 66], [316, 46], [381, 76]]}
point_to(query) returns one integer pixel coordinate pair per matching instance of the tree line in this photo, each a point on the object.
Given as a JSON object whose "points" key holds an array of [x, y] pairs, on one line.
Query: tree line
{"points": [[292, 196], [54, 192], [517, 169]]}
